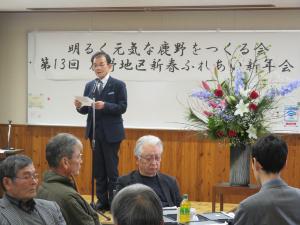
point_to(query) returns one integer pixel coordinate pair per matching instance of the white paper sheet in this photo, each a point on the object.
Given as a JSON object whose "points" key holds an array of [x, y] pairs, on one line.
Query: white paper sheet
{"points": [[85, 101]]}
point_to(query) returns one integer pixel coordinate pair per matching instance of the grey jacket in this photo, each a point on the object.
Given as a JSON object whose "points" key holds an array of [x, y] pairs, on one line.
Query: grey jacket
{"points": [[276, 203], [49, 212]]}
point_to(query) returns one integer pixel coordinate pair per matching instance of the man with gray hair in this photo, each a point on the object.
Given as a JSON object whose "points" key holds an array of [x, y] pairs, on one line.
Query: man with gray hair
{"points": [[137, 204], [64, 156], [148, 151], [19, 181]]}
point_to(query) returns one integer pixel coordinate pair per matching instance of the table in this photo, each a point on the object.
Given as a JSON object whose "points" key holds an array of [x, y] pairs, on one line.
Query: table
{"points": [[5, 153], [221, 189], [201, 207]]}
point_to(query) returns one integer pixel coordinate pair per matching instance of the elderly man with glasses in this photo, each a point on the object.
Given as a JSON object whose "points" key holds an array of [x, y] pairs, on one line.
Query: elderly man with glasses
{"points": [[148, 151], [19, 181]]}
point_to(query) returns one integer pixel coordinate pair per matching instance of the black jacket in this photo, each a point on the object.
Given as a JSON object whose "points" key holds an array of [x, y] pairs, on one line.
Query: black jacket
{"points": [[168, 184]]}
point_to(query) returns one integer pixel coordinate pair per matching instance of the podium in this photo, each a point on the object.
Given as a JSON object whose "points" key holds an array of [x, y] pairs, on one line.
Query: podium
{"points": [[5, 153]]}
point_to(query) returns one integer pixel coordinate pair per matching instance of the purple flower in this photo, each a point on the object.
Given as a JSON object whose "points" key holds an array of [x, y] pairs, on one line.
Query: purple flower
{"points": [[284, 90], [271, 93], [205, 95], [238, 81], [225, 117]]}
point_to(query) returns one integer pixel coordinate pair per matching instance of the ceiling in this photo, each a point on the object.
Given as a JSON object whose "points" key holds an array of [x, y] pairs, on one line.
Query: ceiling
{"points": [[144, 5]]}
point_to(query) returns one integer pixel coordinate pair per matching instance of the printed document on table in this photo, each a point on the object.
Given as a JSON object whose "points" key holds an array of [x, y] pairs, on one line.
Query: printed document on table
{"points": [[85, 101]]}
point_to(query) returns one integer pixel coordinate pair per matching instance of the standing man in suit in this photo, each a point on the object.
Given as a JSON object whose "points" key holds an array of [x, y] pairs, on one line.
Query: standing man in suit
{"points": [[110, 103], [276, 202], [148, 151], [19, 181]]}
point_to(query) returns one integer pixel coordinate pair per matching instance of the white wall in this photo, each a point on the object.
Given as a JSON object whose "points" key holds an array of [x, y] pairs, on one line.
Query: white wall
{"points": [[15, 26]]}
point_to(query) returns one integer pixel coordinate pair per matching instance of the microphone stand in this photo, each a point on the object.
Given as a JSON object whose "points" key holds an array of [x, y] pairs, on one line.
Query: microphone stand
{"points": [[8, 136], [93, 155]]}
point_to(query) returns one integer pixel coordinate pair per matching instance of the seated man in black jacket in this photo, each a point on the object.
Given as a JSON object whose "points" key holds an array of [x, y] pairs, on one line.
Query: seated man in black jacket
{"points": [[148, 151]]}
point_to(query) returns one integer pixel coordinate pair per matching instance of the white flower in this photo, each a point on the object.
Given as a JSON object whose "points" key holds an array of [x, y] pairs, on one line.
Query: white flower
{"points": [[252, 132], [241, 108], [244, 92]]}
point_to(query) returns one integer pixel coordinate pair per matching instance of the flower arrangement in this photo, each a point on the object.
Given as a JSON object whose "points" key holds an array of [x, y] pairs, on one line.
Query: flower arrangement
{"points": [[237, 108]]}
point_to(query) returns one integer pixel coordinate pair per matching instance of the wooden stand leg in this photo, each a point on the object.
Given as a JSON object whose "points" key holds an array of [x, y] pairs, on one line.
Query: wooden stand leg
{"points": [[221, 202], [213, 200]]}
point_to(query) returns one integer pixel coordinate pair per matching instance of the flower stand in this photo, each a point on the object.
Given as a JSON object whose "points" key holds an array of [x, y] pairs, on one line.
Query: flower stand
{"points": [[239, 165]]}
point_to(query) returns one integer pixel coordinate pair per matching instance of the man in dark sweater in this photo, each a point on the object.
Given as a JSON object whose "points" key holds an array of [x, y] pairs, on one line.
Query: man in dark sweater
{"points": [[63, 154], [148, 151]]}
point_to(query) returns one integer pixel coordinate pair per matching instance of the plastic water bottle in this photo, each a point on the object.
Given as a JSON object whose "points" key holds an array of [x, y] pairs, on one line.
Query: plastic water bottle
{"points": [[185, 210]]}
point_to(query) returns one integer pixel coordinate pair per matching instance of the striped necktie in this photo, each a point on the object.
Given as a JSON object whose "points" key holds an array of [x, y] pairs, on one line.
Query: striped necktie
{"points": [[100, 86]]}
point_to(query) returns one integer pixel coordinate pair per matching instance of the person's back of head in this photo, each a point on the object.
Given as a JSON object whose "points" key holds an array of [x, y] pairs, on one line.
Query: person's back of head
{"points": [[277, 203], [271, 152], [137, 204]]}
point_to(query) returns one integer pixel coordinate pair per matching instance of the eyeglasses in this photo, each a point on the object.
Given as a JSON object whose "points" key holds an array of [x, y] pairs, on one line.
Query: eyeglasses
{"points": [[149, 159], [80, 156], [76, 157], [27, 177], [100, 65]]}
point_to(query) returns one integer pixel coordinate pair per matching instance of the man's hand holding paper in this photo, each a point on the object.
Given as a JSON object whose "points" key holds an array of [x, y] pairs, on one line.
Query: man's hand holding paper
{"points": [[83, 101]]}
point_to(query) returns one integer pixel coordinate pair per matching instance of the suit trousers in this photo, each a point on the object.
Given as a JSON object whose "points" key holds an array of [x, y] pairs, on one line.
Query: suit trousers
{"points": [[105, 161]]}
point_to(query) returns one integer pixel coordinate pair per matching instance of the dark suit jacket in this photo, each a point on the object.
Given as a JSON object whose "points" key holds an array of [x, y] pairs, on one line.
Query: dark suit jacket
{"points": [[168, 184], [109, 120], [49, 212], [275, 204]]}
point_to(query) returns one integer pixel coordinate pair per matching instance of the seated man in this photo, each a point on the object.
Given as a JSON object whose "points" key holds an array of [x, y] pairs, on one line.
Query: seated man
{"points": [[19, 181], [276, 202], [148, 151], [137, 204], [63, 154]]}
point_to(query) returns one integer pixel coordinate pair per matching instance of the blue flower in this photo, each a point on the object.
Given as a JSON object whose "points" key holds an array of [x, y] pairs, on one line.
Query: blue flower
{"points": [[238, 81], [284, 90], [271, 93], [205, 95], [226, 117]]}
